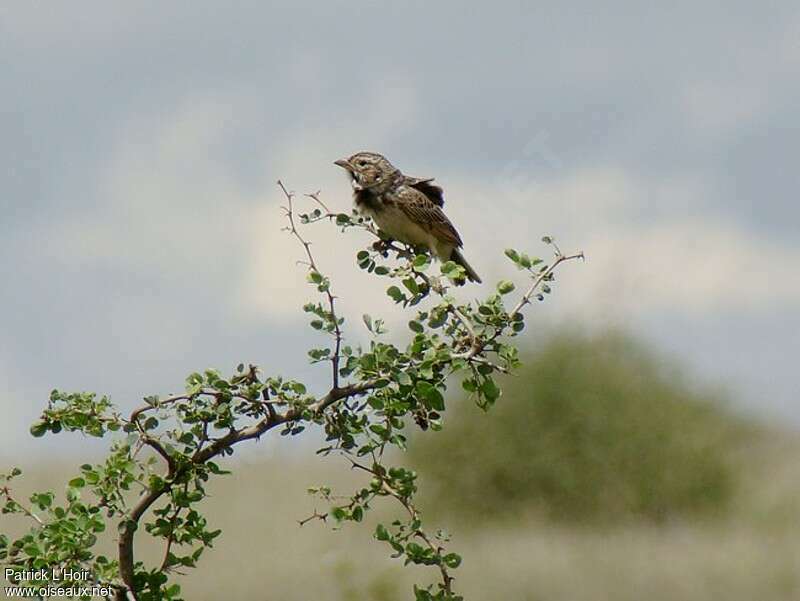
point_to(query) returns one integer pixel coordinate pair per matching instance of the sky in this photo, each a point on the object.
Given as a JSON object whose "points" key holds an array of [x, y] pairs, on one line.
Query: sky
{"points": [[140, 237]]}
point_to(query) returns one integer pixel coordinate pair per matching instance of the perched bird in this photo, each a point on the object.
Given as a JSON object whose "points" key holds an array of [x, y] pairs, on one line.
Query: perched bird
{"points": [[407, 209]]}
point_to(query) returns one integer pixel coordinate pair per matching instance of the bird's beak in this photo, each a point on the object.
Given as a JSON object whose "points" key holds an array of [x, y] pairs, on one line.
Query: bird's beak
{"points": [[344, 164]]}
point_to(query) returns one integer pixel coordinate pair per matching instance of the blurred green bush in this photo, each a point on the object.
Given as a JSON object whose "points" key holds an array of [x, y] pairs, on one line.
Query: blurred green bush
{"points": [[593, 428]]}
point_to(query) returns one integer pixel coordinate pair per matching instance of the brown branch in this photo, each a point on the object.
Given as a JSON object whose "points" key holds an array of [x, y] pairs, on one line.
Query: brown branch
{"points": [[543, 275], [315, 197], [337, 332], [478, 345], [168, 401], [127, 530], [171, 537], [314, 516], [125, 545], [6, 492], [447, 579]]}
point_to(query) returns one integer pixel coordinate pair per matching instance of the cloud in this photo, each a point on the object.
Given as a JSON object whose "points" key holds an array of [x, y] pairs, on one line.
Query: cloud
{"points": [[643, 255], [164, 199], [636, 264], [273, 286], [171, 210], [142, 145]]}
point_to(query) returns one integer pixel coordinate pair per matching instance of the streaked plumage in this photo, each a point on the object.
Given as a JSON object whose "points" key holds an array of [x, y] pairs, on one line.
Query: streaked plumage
{"points": [[407, 209]]}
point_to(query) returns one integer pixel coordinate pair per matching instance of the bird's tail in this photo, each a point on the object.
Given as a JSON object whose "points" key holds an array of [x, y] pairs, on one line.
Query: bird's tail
{"points": [[458, 258]]}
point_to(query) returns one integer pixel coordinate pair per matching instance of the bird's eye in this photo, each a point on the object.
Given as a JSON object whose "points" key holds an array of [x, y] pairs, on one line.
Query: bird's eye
{"points": [[361, 163]]}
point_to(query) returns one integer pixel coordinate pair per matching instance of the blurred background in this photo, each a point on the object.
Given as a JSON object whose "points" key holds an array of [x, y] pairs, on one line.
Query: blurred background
{"points": [[647, 450]]}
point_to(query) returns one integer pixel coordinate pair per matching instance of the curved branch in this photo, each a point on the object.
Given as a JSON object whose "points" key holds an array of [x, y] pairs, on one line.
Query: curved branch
{"points": [[130, 524]]}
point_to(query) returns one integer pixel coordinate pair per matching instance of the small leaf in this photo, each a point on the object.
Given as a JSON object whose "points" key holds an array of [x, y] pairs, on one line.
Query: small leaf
{"points": [[39, 429], [396, 294], [411, 285], [490, 390], [421, 262], [416, 326], [505, 286]]}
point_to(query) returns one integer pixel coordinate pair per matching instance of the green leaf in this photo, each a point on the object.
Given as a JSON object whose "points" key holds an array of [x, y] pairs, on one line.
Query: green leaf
{"points": [[505, 286], [31, 549], [381, 533], [452, 560], [39, 429], [77, 483], [431, 394], [42, 500], [448, 266], [490, 390], [395, 293], [420, 594], [416, 326], [411, 285], [421, 262]]}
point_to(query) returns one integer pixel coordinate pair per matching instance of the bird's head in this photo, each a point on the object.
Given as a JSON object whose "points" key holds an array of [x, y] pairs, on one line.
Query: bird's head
{"points": [[369, 171]]}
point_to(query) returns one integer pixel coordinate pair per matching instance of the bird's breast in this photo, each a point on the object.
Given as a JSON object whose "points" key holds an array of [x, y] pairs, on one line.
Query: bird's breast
{"points": [[396, 224], [365, 200]]}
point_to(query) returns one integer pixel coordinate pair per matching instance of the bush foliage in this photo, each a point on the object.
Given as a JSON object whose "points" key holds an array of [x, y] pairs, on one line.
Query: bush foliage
{"points": [[163, 454], [592, 429]]}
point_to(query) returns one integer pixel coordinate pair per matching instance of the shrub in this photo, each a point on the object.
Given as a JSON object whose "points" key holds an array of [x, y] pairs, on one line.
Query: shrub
{"points": [[593, 429]]}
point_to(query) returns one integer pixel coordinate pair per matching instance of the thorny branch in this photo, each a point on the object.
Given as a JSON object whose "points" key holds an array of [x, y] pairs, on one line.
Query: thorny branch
{"points": [[337, 332], [413, 512], [218, 446], [289, 409], [545, 274]]}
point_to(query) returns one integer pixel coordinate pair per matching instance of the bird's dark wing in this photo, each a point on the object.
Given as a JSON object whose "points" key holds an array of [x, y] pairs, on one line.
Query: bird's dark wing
{"points": [[427, 214], [428, 188]]}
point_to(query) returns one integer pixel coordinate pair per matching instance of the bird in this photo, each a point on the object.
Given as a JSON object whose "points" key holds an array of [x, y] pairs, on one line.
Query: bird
{"points": [[405, 208]]}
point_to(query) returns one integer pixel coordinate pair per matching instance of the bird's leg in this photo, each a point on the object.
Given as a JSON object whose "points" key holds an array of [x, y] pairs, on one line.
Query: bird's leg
{"points": [[382, 246]]}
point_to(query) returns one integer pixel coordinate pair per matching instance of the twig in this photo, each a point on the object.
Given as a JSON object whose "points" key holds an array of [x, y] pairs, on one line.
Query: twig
{"points": [[6, 492], [337, 332], [315, 197], [447, 579], [171, 537], [543, 275], [478, 344], [314, 516]]}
